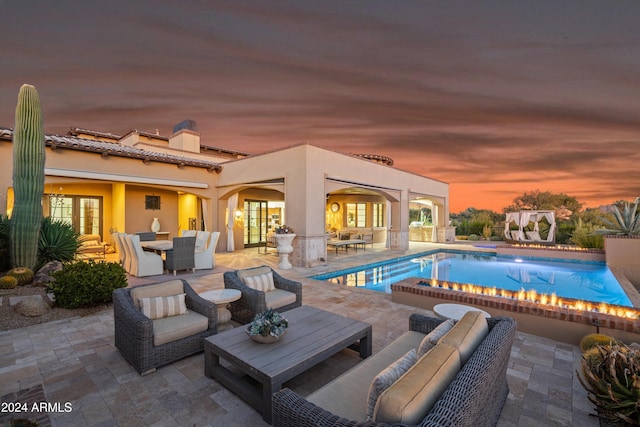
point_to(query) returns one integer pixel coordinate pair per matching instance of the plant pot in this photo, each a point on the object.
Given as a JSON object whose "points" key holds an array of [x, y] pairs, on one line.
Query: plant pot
{"points": [[265, 340]]}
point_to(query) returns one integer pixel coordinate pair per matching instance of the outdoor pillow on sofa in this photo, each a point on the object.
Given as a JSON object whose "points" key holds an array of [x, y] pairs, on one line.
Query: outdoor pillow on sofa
{"points": [[410, 398], [467, 334], [434, 336], [387, 377]]}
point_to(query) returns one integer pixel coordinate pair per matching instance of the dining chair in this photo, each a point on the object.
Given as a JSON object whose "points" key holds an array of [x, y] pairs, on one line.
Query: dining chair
{"points": [[206, 258], [143, 263], [117, 239], [128, 254], [181, 257], [146, 236]]}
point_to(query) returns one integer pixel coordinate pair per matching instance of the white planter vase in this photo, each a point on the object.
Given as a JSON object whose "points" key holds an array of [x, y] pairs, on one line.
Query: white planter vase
{"points": [[284, 249], [155, 225]]}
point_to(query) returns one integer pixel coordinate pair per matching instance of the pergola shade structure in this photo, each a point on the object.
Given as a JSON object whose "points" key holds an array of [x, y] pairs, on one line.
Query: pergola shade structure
{"points": [[528, 223]]}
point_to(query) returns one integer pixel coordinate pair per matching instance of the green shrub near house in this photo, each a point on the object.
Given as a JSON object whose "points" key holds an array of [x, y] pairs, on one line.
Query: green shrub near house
{"points": [[86, 283]]}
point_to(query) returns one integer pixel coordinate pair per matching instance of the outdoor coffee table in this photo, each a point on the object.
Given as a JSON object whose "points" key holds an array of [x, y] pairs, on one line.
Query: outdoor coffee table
{"points": [[313, 335]]}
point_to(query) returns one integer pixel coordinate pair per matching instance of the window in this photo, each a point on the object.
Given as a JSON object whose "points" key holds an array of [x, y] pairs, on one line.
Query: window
{"points": [[152, 203], [356, 214], [378, 215]]}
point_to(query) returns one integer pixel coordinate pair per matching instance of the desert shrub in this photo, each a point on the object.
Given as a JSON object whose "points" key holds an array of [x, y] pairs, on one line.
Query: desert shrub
{"points": [[592, 340], [5, 248], [495, 238], [58, 242], [473, 237], [585, 237], [462, 237], [487, 231], [86, 284], [564, 230]]}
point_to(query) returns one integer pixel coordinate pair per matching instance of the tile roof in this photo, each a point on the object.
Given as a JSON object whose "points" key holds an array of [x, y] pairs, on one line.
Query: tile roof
{"points": [[112, 149]]}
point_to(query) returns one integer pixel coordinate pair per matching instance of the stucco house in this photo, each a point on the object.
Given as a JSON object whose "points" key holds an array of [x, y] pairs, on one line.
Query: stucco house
{"points": [[102, 183]]}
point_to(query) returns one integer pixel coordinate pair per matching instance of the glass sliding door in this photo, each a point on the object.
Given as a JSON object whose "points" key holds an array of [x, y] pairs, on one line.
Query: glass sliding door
{"points": [[256, 222]]}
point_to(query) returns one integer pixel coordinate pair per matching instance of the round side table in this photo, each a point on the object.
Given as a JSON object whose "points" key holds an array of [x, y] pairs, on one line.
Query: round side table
{"points": [[222, 298], [455, 311]]}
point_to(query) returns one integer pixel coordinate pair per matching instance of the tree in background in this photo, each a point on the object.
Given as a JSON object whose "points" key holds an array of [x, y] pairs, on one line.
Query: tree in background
{"points": [[473, 221], [562, 204], [28, 179]]}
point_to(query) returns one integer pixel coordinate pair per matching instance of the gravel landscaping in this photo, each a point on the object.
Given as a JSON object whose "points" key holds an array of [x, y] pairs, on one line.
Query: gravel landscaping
{"points": [[9, 319]]}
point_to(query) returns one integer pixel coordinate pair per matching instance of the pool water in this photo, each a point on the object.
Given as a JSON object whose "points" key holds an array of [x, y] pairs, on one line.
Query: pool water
{"points": [[587, 281]]}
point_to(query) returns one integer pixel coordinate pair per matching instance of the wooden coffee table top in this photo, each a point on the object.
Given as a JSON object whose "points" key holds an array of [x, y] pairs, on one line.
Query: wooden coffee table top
{"points": [[313, 335]]}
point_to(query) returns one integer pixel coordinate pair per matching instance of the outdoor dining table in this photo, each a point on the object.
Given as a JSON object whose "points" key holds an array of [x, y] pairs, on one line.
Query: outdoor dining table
{"points": [[158, 245]]}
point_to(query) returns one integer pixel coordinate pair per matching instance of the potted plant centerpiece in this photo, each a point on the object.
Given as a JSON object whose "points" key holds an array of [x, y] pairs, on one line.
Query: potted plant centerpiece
{"points": [[267, 327], [611, 376]]}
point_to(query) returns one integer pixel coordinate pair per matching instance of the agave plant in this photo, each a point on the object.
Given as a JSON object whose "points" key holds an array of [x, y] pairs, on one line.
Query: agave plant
{"points": [[613, 384], [627, 219], [58, 241]]}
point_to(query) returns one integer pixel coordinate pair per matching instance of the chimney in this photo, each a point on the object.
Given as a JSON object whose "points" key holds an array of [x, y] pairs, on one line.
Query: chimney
{"points": [[185, 137]]}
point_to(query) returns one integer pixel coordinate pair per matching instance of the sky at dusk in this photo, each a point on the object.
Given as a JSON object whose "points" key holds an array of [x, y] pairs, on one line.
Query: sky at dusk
{"points": [[495, 98]]}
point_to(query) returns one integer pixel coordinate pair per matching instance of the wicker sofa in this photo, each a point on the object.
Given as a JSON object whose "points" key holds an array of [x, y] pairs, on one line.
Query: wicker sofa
{"points": [[474, 397], [148, 344], [254, 301]]}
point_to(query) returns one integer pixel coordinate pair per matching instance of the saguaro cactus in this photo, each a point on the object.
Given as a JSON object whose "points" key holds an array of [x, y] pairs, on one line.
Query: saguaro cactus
{"points": [[28, 178]]}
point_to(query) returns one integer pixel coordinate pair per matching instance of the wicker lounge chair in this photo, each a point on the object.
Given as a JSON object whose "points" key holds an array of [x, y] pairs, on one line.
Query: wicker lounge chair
{"points": [[254, 301], [134, 332]]}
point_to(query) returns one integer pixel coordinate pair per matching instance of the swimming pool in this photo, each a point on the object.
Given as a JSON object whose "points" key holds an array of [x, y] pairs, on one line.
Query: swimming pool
{"points": [[587, 281]]}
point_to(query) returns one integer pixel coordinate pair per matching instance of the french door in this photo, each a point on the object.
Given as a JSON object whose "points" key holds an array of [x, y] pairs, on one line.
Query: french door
{"points": [[255, 222], [84, 213]]}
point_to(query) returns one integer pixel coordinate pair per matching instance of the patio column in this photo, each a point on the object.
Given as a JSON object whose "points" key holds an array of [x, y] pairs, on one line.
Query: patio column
{"points": [[399, 232]]}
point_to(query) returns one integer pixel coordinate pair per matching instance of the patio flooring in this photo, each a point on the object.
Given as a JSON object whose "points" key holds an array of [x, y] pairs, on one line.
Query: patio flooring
{"points": [[74, 361]]}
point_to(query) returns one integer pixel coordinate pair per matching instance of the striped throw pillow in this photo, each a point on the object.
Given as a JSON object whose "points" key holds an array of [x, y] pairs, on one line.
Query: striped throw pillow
{"points": [[262, 282], [159, 307], [387, 377]]}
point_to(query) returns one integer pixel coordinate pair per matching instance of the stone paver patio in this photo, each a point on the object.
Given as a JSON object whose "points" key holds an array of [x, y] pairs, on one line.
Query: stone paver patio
{"points": [[75, 362]]}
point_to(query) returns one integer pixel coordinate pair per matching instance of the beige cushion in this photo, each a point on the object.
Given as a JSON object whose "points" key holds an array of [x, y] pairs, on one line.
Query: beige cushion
{"points": [[279, 298], [344, 396], [467, 334], [243, 274], [262, 282], [387, 377], [159, 307], [411, 398], [432, 339], [176, 327], [172, 287]]}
